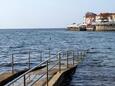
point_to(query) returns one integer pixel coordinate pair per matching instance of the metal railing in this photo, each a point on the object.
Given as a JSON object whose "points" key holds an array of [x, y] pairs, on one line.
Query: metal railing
{"points": [[28, 59], [52, 64], [23, 59]]}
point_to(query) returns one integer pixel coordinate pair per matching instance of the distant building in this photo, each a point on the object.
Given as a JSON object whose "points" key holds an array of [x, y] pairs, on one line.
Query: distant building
{"points": [[105, 22], [89, 20], [104, 17], [102, 21], [95, 22], [113, 16], [90, 17]]}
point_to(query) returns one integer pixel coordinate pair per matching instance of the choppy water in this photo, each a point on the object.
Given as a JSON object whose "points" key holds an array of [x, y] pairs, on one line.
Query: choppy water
{"points": [[98, 69]]}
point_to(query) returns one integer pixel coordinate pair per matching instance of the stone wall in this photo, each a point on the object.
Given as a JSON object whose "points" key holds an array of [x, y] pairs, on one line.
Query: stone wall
{"points": [[105, 27]]}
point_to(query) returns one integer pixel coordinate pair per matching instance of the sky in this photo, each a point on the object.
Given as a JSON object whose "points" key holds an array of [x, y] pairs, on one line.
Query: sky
{"points": [[48, 13]]}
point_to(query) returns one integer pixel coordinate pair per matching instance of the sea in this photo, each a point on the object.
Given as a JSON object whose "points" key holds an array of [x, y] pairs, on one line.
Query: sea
{"points": [[98, 69]]}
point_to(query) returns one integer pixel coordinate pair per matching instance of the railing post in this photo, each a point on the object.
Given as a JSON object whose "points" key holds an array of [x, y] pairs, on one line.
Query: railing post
{"points": [[47, 72], [67, 58], [29, 60], [49, 54], [59, 59], [73, 58], [81, 55], [12, 64], [41, 56], [24, 80], [84, 53], [63, 54], [78, 56]]}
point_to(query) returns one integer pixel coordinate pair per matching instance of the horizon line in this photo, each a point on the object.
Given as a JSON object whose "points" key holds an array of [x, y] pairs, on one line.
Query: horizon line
{"points": [[33, 28]]}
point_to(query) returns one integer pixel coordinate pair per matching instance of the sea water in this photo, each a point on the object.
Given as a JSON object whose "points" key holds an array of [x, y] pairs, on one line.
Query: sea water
{"points": [[98, 69]]}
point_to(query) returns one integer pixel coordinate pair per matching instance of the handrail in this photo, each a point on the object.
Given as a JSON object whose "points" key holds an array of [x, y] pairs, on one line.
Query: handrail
{"points": [[43, 75], [47, 61], [24, 74], [14, 56], [29, 71]]}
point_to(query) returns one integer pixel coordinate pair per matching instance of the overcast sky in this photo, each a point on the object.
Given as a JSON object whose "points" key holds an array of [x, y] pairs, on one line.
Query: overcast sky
{"points": [[48, 13]]}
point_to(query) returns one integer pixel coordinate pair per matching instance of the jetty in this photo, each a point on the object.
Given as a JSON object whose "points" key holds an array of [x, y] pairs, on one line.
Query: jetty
{"points": [[51, 71]]}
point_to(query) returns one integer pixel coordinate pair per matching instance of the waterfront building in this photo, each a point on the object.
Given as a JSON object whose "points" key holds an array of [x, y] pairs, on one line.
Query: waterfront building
{"points": [[104, 17], [113, 16], [105, 22], [95, 22], [90, 17], [89, 20]]}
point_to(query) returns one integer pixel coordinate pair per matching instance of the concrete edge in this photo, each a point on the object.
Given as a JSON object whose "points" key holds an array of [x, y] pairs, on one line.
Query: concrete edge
{"points": [[61, 77], [15, 75]]}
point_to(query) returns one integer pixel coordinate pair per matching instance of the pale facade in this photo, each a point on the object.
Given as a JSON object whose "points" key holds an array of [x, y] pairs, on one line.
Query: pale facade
{"points": [[89, 18], [113, 17], [105, 17]]}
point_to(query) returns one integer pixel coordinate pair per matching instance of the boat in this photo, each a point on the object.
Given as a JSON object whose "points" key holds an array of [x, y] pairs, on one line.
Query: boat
{"points": [[76, 27], [73, 27]]}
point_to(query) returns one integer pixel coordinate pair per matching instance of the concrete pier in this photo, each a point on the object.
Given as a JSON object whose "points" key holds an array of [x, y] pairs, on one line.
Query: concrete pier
{"points": [[54, 72]]}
